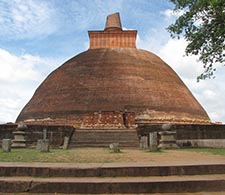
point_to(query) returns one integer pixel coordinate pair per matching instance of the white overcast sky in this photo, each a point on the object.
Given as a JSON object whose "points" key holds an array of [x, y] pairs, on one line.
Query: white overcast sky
{"points": [[37, 36]]}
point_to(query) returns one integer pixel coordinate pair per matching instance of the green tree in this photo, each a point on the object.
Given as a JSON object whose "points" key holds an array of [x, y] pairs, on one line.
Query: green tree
{"points": [[202, 24]]}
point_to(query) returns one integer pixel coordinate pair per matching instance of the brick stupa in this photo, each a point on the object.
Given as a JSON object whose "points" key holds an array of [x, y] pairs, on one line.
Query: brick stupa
{"points": [[112, 84]]}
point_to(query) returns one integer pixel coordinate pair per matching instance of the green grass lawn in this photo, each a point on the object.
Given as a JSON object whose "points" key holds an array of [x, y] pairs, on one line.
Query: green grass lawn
{"points": [[83, 155], [79, 155], [99, 155], [29, 155]]}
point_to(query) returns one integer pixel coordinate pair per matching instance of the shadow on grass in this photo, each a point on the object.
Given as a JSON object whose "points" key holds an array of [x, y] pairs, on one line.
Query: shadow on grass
{"points": [[155, 151], [115, 152]]}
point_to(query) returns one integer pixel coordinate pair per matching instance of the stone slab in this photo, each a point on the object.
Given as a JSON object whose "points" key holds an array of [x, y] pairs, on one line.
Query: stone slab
{"points": [[99, 185], [66, 143], [100, 170], [6, 145]]}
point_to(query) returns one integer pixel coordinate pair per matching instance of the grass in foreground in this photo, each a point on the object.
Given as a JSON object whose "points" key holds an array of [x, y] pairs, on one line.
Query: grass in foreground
{"points": [[79, 155], [104, 155], [82, 155], [155, 151]]}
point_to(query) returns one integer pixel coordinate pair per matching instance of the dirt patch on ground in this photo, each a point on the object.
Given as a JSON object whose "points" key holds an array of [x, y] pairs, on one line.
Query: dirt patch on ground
{"points": [[96, 155]]}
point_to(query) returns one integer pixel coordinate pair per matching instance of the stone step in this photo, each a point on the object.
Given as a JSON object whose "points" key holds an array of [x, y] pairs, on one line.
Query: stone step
{"points": [[106, 185], [107, 135], [104, 137], [102, 140], [106, 170], [106, 145], [103, 143], [182, 193]]}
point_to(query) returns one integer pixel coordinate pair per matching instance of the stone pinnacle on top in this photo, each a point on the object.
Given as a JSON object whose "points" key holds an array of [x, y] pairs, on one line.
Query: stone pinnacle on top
{"points": [[113, 22]]}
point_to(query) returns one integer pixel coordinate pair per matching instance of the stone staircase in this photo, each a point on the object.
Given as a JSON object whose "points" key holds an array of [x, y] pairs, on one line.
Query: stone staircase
{"points": [[104, 137], [110, 178]]}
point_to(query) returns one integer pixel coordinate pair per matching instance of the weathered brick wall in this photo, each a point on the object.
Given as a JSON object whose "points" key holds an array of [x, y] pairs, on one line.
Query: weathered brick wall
{"points": [[129, 119], [101, 119], [55, 134], [107, 119], [200, 132], [188, 132], [105, 39], [6, 131]]}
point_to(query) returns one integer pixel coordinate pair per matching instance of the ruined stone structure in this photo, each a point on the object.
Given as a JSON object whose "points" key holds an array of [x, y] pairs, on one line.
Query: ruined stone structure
{"points": [[111, 85]]}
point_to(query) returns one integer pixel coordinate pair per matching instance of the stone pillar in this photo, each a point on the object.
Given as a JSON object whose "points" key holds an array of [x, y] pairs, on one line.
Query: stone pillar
{"points": [[66, 143], [6, 145], [144, 142], [39, 143], [19, 140], [19, 136], [44, 134], [153, 141], [45, 145]]}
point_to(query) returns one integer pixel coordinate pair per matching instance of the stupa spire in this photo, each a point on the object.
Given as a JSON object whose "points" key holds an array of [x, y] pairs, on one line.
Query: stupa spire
{"points": [[113, 22], [113, 36]]}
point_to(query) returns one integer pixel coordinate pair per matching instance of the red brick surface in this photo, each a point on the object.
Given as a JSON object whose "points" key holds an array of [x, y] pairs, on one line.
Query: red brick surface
{"points": [[113, 81], [110, 84], [110, 39]]}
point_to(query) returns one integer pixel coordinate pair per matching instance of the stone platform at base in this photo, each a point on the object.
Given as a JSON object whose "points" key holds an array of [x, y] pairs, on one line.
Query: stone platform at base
{"points": [[193, 193], [110, 178]]}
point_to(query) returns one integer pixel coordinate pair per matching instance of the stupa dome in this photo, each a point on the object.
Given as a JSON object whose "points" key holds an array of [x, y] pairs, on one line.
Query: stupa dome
{"points": [[110, 85]]}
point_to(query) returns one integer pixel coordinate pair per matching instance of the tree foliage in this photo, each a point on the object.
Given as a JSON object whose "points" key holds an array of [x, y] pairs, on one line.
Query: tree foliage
{"points": [[202, 23]]}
